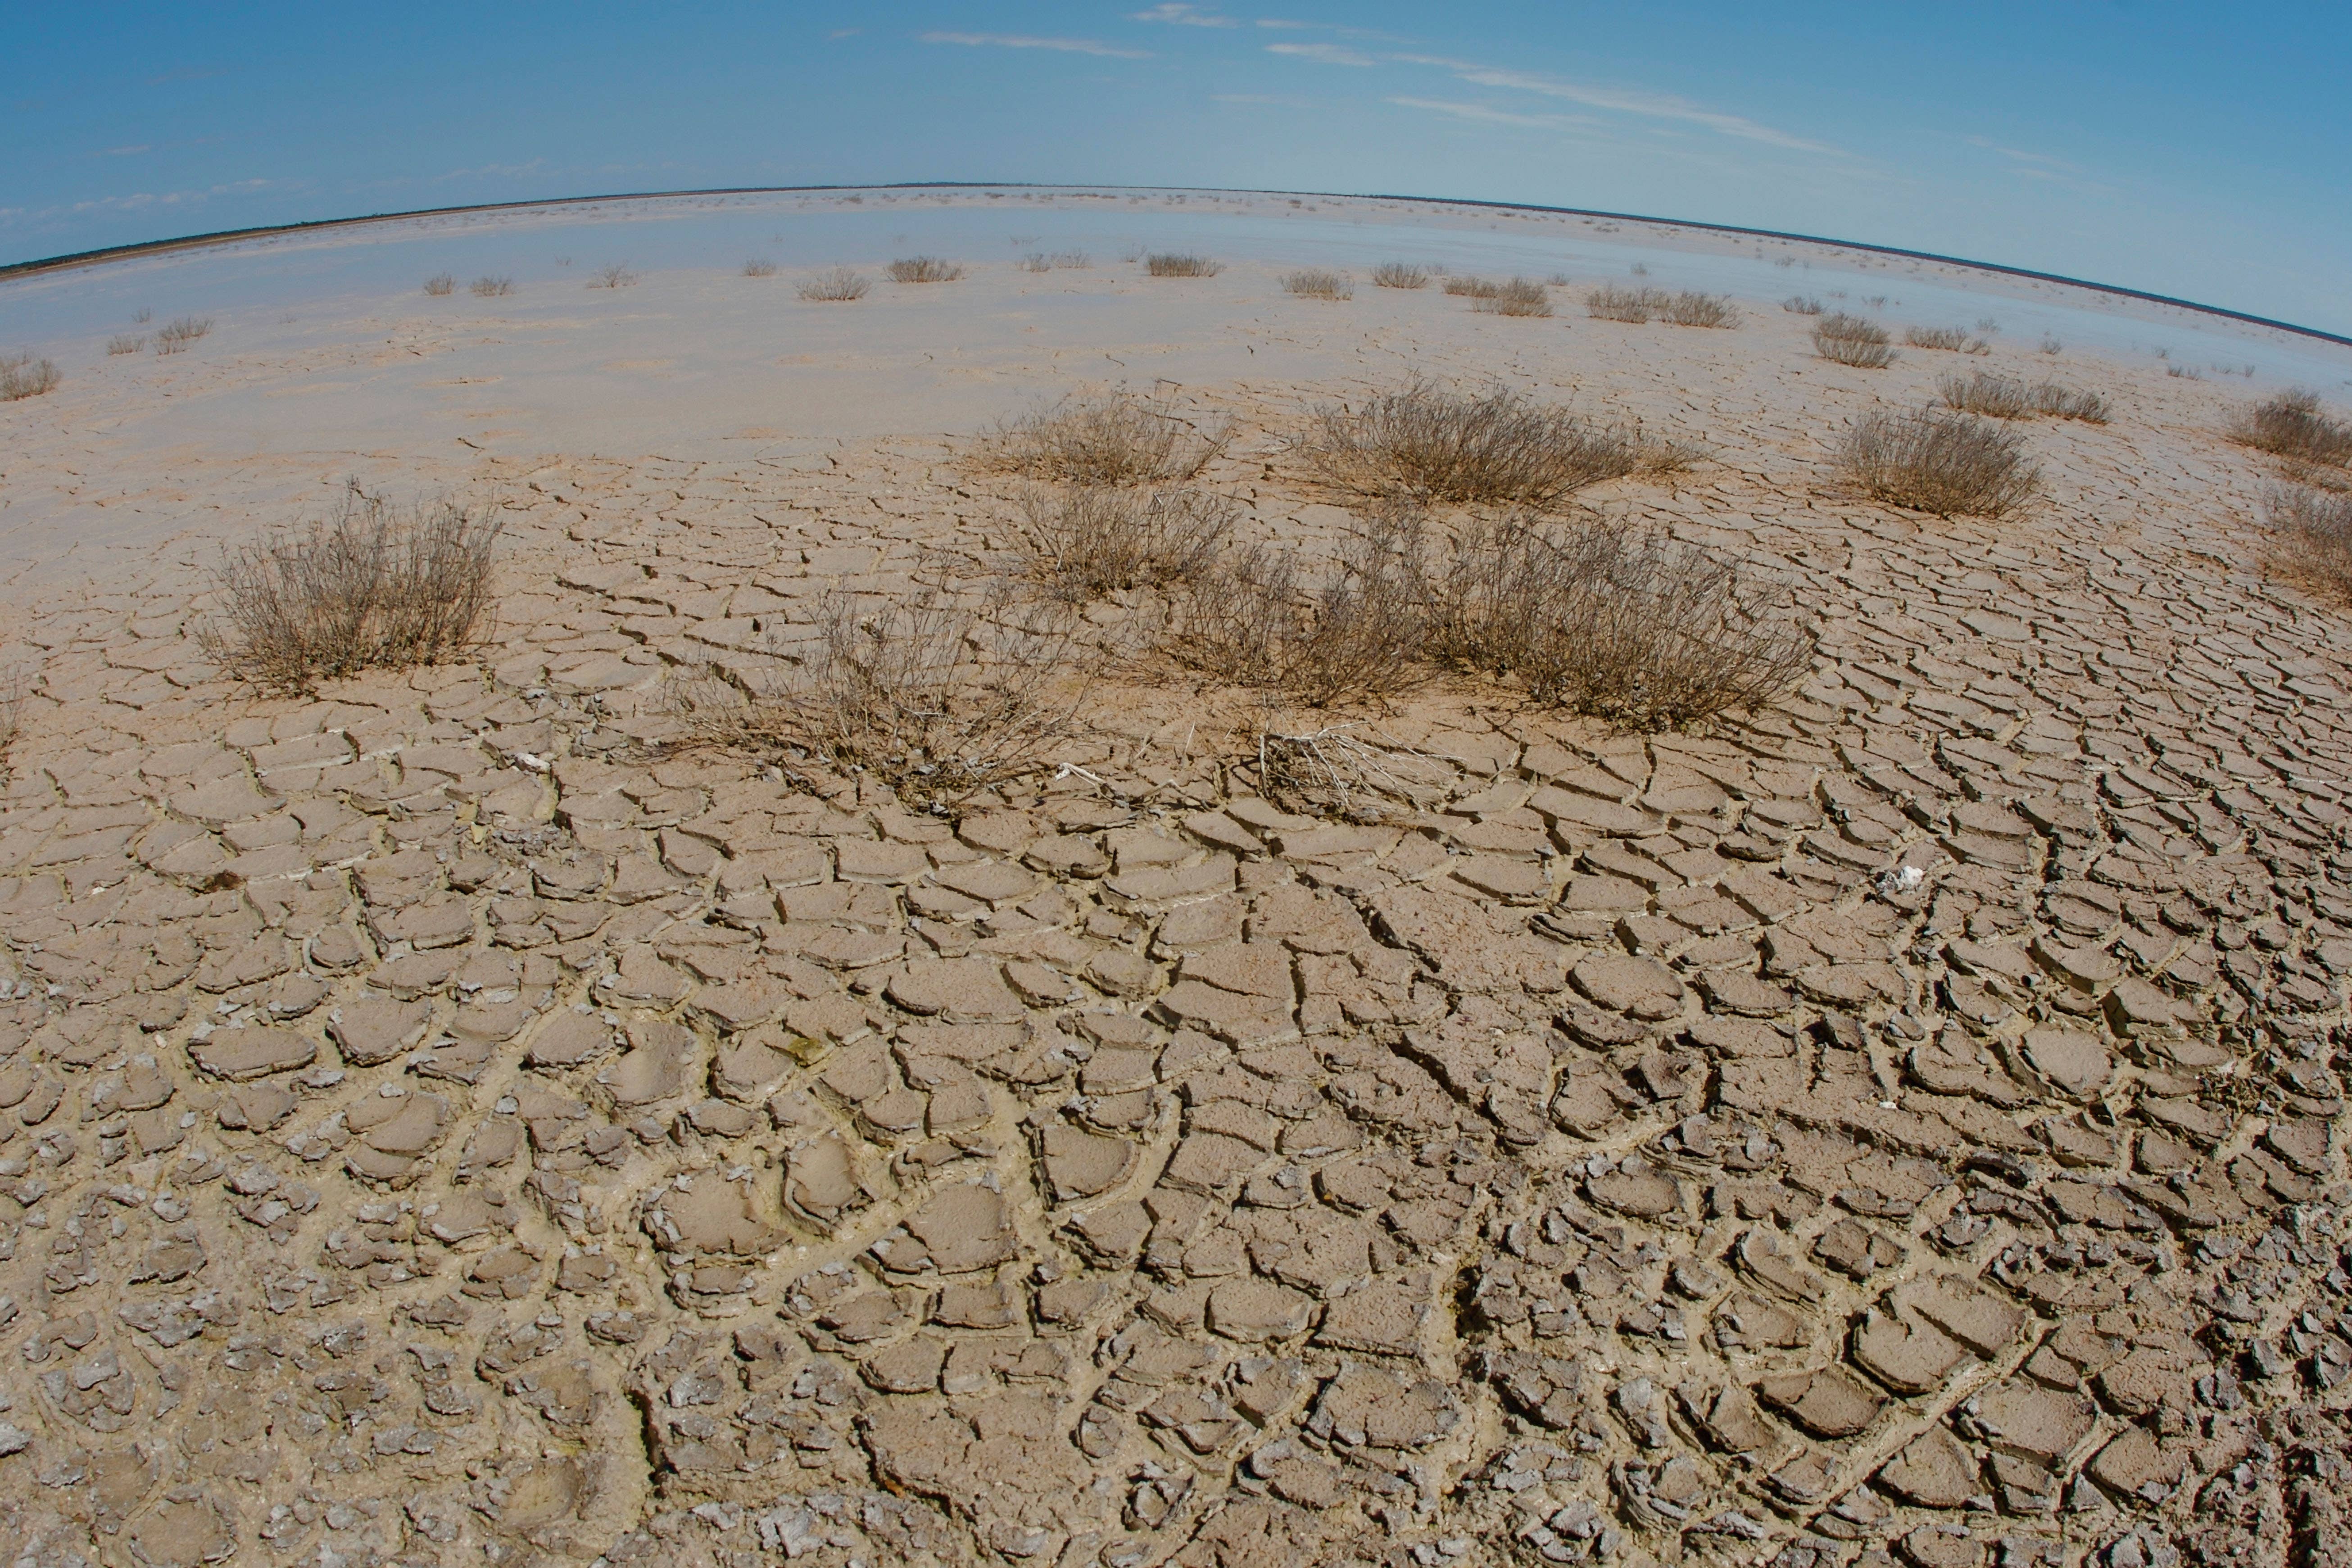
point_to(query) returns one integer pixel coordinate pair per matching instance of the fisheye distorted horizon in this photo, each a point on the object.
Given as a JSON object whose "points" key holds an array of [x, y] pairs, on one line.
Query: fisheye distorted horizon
{"points": [[2175, 149]]}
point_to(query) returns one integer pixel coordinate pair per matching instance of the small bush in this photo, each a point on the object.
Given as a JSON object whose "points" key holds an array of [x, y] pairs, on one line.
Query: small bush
{"points": [[2312, 537], [23, 377], [1850, 339], [1352, 630], [1319, 283], [758, 266], [1087, 540], [1611, 303], [1118, 440], [1447, 446], [2051, 346], [2292, 425], [923, 270], [173, 337], [1799, 305], [1472, 288], [1399, 275], [934, 699], [1519, 296], [1623, 625], [1948, 338], [440, 283], [1177, 264], [371, 588], [1035, 261], [1948, 464], [126, 343], [2006, 399], [1072, 259], [1692, 309], [615, 276], [491, 288], [839, 283]]}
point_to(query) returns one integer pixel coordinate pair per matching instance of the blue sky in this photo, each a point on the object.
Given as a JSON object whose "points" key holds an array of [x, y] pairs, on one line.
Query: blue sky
{"points": [[2197, 150]]}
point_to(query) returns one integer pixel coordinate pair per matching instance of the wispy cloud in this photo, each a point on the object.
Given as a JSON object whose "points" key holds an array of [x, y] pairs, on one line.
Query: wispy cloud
{"points": [[123, 151], [1268, 98], [1021, 41], [2045, 169], [139, 201], [2042, 160], [1620, 101], [1486, 116], [1182, 15], [1322, 54]]}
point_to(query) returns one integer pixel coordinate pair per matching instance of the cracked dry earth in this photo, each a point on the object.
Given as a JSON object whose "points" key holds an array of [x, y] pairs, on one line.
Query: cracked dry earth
{"points": [[441, 1123]]}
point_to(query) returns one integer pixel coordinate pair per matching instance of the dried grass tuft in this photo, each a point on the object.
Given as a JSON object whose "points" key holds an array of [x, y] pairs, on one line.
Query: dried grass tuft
{"points": [[1471, 288], [1947, 463], [1440, 445], [1088, 541], [1179, 263], [1948, 338], [1319, 283], [1850, 339], [1515, 297], [935, 699], [1400, 274], [837, 283], [440, 283], [1689, 308], [24, 375], [173, 337], [2292, 425], [125, 344], [758, 266], [923, 270], [1611, 303], [2005, 399], [372, 588], [1347, 630], [1800, 305], [491, 288], [2312, 538], [1116, 439], [614, 276]]}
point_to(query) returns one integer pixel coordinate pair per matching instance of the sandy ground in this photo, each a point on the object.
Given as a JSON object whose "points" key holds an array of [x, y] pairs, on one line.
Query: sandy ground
{"points": [[444, 1120]]}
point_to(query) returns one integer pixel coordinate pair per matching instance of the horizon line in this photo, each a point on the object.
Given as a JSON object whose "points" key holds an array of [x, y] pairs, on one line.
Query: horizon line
{"points": [[72, 259]]}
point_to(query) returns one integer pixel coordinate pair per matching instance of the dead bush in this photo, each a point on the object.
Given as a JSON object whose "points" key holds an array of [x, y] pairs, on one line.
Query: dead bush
{"points": [[938, 699], [758, 266], [1035, 261], [1319, 283], [24, 375], [1623, 625], [173, 337], [1694, 309], [1086, 540], [125, 344], [1180, 264], [614, 276], [2312, 537], [1948, 338], [1349, 630], [1445, 445], [1116, 439], [1799, 305], [1945, 463], [923, 270], [1072, 258], [2292, 425], [1515, 297], [838, 283], [440, 283], [373, 588], [1850, 339], [1611, 303], [2002, 398], [1341, 770], [491, 288], [1471, 288], [1399, 275]]}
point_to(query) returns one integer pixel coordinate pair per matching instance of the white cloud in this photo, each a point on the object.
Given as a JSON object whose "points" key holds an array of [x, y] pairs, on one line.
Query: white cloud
{"points": [[1322, 54], [1182, 15], [1020, 41], [1486, 116]]}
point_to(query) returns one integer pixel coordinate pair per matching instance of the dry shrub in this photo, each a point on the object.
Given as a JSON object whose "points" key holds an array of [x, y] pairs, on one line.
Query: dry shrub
{"points": [[1086, 540], [1623, 625], [23, 377], [1952, 338], [1035, 261], [440, 283], [615, 276], [2292, 425], [1338, 769], [1117, 439], [1448, 445], [1694, 309], [1179, 263], [2312, 537], [1611, 303], [125, 344], [923, 270], [2005, 399], [1353, 630], [838, 283], [1850, 339], [937, 699], [174, 336], [488, 288], [1517, 297], [1072, 258], [1400, 274], [373, 588], [1941, 462], [1800, 305], [1319, 283], [758, 266], [1472, 288]]}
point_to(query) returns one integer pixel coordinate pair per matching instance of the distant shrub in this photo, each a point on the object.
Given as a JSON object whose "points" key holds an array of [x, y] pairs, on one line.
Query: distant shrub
{"points": [[1945, 463], [1948, 338], [2006, 399], [1693, 310], [2312, 537], [1317, 283], [838, 283], [491, 288], [614, 276], [1176, 264], [1035, 261], [2292, 425], [1851, 339], [1117, 439], [1430, 442], [758, 266], [173, 337], [1611, 303], [24, 375], [1517, 296], [126, 343], [1399, 275], [1798, 304], [1472, 288], [440, 283], [923, 270]]}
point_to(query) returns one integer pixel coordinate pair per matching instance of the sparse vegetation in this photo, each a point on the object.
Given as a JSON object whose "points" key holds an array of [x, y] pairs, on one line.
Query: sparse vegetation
{"points": [[1687, 309], [1851, 339], [126, 343], [1472, 288], [1086, 540], [2051, 346], [2312, 537], [2006, 399], [2292, 426], [923, 270], [1399, 275], [1179, 263], [615, 276], [440, 283], [372, 588], [935, 700], [490, 288], [24, 375], [1800, 305], [1953, 339], [1352, 630], [1515, 297], [758, 266], [173, 337], [1035, 261], [1947, 463], [1319, 283], [837, 283], [1427, 441], [1118, 440]]}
